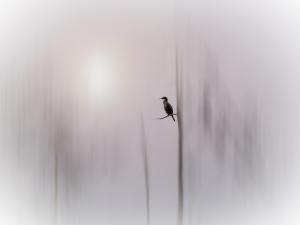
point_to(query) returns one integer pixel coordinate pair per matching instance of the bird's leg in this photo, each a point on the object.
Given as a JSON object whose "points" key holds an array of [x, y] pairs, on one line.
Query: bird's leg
{"points": [[163, 117], [174, 114]]}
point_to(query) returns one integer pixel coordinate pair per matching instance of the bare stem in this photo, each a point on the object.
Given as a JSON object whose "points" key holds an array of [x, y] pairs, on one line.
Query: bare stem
{"points": [[179, 97], [146, 170]]}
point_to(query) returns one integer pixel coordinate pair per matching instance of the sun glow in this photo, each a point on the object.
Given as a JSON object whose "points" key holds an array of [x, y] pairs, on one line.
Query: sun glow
{"points": [[101, 82]]}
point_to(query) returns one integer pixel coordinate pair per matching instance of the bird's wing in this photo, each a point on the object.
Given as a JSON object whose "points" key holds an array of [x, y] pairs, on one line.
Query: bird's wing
{"points": [[169, 109]]}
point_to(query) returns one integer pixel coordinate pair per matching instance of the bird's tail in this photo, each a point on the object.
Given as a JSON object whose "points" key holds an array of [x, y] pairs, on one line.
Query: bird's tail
{"points": [[173, 118]]}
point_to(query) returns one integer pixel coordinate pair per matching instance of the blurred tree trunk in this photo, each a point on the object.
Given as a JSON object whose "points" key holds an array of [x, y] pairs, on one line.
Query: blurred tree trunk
{"points": [[146, 169], [179, 101]]}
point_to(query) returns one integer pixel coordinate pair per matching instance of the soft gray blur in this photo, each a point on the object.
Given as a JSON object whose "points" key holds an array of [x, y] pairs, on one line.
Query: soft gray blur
{"points": [[67, 159]]}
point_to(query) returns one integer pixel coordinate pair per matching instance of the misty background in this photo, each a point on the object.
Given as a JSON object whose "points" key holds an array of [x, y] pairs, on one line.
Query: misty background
{"points": [[70, 158]]}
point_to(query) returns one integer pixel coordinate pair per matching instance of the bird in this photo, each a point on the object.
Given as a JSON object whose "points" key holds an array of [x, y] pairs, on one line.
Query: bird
{"points": [[168, 107]]}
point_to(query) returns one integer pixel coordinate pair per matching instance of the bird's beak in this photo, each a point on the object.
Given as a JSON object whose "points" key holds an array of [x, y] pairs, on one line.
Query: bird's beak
{"points": [[161, 98]]}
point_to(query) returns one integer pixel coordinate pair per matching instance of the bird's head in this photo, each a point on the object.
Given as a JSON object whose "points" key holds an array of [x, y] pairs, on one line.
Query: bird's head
{"points": [[164, 98]]}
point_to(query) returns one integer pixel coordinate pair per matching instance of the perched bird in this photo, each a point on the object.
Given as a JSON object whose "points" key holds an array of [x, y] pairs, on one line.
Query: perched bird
{"points": [[168, 108]]}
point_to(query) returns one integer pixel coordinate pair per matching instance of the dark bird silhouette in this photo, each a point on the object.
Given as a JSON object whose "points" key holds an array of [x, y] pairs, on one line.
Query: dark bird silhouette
{"points": [[168, 108]]}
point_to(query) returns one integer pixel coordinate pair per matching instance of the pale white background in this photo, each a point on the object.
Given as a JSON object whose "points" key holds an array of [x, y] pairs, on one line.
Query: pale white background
{"points": [[257, 47]]}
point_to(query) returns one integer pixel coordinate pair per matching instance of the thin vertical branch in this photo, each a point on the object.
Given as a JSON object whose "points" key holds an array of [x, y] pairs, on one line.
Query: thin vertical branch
{"points": [[179, 100], [180, 139], [146, 169], [55, 185]]}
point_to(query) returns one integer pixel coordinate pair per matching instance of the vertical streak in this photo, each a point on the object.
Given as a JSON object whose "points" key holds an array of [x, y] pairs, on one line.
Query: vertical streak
{"points": [[146, 170], [180, 137], [55, 185], [179, 101]]}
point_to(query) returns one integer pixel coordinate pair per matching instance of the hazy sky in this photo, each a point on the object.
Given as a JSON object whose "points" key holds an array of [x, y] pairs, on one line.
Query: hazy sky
{"points": [[77, 76]]}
